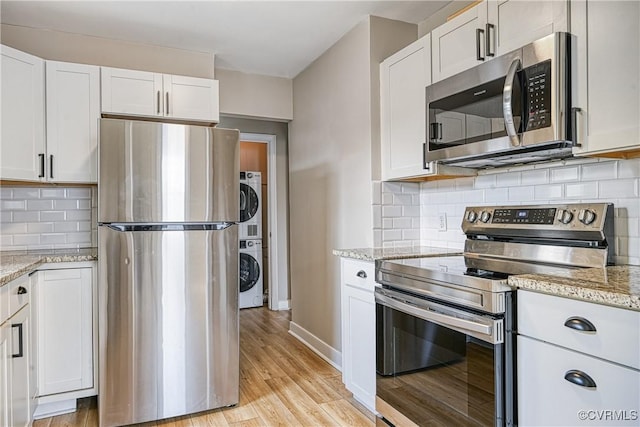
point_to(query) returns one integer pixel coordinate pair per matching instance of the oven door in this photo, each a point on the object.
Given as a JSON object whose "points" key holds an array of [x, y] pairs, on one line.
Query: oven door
{"points": [[439, 365]]}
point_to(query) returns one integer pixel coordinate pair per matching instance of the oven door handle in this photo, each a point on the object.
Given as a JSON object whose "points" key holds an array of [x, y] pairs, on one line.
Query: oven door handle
{"points": [[431, 315]]}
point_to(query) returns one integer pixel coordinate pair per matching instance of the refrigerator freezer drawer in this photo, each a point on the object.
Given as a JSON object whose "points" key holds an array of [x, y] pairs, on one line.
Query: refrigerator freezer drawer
{"points": [[159, 172], [168, 308]]}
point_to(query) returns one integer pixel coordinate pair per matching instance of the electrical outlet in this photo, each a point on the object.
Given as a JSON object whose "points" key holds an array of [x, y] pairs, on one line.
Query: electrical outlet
{"points": [[442, 220]]}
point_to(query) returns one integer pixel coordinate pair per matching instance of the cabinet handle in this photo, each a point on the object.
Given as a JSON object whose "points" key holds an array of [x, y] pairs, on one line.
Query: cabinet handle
{"points": [[479, 31], [580, 324], [51, 166], [487, 49], [361, 274], [41, 156], [579, 378], [574, 126], [20, 352], [22, 290], [158, 101], [167, 105]]}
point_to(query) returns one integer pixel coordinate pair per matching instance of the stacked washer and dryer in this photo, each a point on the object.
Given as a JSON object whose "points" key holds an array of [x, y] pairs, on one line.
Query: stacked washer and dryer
{"points": [[251, 280]]}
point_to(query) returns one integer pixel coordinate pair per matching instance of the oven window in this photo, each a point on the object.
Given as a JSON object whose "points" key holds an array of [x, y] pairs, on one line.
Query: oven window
{"points": [[434, 375], [473, 115]]}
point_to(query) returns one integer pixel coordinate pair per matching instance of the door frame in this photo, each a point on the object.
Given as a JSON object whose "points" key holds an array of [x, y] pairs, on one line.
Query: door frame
{"points": [[275, 277]]}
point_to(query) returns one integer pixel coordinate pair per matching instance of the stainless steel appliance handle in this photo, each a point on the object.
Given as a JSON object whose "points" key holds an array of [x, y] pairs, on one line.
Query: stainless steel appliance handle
{"points": [[428, 312], [507, 94]]}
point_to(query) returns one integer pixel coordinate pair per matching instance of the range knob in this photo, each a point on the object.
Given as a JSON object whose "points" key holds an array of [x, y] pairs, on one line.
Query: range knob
{"points": [[565, 216], [472, 216], [587, 216], [485, 216]]}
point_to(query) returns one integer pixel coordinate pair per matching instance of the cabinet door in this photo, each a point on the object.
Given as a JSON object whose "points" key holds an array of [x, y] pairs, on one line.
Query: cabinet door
{"points": [[546, 398], [73, 111], [457, 44], [191, 98], [65, 330], [20, 342], [607, 83], [403, 78], [5, 375], [517, 23], [131, 92], [22, 116]]}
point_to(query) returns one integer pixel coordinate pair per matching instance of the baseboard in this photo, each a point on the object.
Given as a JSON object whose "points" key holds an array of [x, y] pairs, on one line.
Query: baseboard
{"points": [[52, 409], [284, 305], [321, 348]]}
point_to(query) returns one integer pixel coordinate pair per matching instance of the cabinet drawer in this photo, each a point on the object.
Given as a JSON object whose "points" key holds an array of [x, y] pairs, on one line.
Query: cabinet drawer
{"points": [[546, 398], [19, 292], [359, 274], [615, 338]]}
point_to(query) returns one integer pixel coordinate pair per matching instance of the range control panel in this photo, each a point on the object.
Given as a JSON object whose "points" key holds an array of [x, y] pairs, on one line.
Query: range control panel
{"points": [[552, 218]]}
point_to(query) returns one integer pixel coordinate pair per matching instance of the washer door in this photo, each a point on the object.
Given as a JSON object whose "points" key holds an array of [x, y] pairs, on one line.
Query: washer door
{"points": [[248, 202], [249, 272]]}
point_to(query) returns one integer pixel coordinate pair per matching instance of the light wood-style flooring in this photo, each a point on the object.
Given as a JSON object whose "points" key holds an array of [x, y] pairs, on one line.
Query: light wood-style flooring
{"points": [[282, 383]]}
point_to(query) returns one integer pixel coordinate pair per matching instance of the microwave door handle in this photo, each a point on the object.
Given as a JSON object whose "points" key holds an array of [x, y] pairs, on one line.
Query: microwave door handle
{"points": [[507, 102]]}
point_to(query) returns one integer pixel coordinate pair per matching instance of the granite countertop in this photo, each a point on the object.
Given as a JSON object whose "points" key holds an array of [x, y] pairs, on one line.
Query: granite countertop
{"points": [[617, 286], [14, 264], [372, 254]]}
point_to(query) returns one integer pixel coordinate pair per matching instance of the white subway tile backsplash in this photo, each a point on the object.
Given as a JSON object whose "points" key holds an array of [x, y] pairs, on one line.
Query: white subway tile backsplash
{"points": [[402, 223], [410, 234], [391, 211], [582, 190], [391, 187], [508, 179], [485, 181], [599, 171], [402, 199], [387, 223], [547, 192], [629, 168], [387, 198], [565, 174], [521, 194], [390, 235], [40, 205], [413, 211], [535, 177], [496, 195], [620, 188], [48, 217]]}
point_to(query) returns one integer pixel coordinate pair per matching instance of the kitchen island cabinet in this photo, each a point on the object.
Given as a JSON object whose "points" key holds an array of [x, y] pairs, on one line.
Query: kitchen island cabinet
{"points": [[607, 86], [142, 93]]}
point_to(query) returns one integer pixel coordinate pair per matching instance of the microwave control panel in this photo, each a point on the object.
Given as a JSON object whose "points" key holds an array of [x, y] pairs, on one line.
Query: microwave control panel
{"points": [[537, 84]]}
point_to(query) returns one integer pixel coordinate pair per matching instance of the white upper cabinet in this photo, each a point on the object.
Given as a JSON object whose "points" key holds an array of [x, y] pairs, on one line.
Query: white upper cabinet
{"points": [[492, 28], [22, 115], [517, 23], [403, 77], [607, 82], [460, 44], [141, 93], [73, 112]]}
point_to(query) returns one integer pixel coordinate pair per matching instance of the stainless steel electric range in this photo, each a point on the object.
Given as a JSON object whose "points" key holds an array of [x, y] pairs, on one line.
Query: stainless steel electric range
{"points": [[445, 332]]}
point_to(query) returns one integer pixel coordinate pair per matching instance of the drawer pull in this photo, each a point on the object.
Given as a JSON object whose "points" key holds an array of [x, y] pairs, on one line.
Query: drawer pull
{"points": [[361, 274], [22, 290], [580, 324], [580, 378]]}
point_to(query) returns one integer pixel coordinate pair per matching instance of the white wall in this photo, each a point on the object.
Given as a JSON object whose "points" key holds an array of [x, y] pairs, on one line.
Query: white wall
{"points": [[253, 95], [333, 146]]}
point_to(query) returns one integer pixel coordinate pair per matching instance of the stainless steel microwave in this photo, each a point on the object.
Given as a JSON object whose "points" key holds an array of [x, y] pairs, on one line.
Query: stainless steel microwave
{"points": [[515, 108]]}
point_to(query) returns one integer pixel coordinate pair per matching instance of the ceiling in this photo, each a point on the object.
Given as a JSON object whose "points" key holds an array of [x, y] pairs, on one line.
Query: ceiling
{"points": [[277, 38]]}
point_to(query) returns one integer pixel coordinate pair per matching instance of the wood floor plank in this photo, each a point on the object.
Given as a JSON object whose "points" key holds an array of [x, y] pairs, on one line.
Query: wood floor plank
{"points": [[282, 382], [345, 414]]}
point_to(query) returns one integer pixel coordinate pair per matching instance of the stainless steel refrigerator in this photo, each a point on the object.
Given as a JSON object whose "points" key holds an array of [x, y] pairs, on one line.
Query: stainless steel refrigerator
{"points": [[168, 197]]}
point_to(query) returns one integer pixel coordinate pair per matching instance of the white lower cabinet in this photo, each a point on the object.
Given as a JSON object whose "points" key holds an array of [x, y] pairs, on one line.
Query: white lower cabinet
{"points": [[576, 363], [358, 330], [67, 335]]}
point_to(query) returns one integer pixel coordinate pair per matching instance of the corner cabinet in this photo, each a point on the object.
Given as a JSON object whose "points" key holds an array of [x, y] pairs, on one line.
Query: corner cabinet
{"points": [[65, 302], [578, 363], [358, 330], [607, 84], [73, 112], [22, 116], [141, 93], [492, 28]]}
